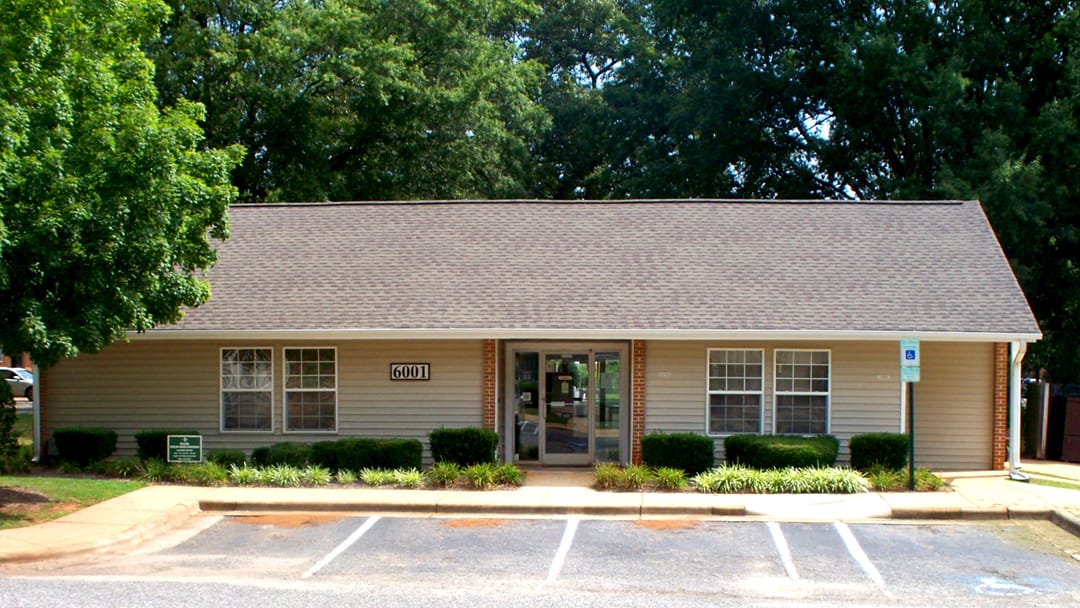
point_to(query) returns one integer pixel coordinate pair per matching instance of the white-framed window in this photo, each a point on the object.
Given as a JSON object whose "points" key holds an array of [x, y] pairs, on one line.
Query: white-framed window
{"points": [[801, 392], [735, 391], [311, 389], [247, 389]]}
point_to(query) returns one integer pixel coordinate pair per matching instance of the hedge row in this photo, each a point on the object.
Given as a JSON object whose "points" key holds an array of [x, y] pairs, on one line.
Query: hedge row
{"points": [[351, 454], [689, 452], [781, 451]]}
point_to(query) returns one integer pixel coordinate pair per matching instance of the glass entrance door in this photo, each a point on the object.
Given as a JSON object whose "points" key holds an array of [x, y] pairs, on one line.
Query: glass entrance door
{"points": [[567, 415], [568, 404]]}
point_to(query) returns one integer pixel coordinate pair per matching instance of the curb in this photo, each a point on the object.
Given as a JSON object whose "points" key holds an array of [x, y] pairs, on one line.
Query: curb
{"points": [[455, 508], [139, 532], [994, 513], [1066, 521]]}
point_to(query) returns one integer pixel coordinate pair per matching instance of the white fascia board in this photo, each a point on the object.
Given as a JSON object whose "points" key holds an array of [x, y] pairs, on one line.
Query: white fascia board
{"points": [[580, 334]]}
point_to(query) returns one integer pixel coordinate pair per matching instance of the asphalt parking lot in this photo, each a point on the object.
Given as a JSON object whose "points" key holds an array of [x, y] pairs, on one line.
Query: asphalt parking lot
{"points": [[723, 561]]}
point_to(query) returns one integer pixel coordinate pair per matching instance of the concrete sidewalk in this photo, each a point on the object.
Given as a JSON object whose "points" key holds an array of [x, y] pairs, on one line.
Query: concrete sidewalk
{"points": [[145, 513]]}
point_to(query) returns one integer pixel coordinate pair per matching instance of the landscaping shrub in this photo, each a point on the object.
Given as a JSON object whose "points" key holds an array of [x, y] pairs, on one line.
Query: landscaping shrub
{"points": [[887, 450], [288, 452], [690, 452], [669, 478], [888, 480], [243, 475], [260, 456], [465, 447], [376, 477], [780, 451], [607, 475], [355, 454], [399, 453], [156, 471], [227, 457], [635, 477], [732, 479], [408, 478], [314, 475], [481, 476], [325, 454], [444, 474], [201, 474], [84, 445], [153, 443], [508, 475]]}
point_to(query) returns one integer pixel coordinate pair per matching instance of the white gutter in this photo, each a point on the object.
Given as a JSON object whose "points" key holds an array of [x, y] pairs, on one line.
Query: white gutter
{"points": [[1018, 350], [36, 413], [578, 334]]}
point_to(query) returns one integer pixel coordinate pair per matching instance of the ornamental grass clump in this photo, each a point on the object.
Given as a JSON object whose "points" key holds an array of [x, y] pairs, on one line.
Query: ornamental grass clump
{"points": [[734, 479], [444, 474], [156, 471], [635, 477], [508, 475], [882, 479], [480, 476], [607, 475], [243, 475], [345, 477], [313, 475], [202, 474], [408, 478], [669, 478], [377, 477], [281, 475]]}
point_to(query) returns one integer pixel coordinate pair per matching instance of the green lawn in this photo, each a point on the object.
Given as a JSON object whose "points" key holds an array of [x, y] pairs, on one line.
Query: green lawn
{"points": [[65, 495]]}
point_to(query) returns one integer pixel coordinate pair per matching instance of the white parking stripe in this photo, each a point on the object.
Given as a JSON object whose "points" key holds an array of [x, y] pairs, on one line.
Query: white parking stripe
{"points": [[345, 544], [564, 548], [860, 557], [782, 548]]}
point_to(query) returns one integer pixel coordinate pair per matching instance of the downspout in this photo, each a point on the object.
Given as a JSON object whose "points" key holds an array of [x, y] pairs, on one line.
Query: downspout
{"points": [[36, 412], [1018, 350]]}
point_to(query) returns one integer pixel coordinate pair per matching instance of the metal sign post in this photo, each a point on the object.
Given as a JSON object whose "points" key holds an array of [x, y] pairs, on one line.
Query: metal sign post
{"points": [[909, 373]]}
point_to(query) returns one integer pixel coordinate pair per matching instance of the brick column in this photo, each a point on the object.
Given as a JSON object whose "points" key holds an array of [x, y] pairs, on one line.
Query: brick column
{"points": [[998, 454], [637, 418], [489, 384]]}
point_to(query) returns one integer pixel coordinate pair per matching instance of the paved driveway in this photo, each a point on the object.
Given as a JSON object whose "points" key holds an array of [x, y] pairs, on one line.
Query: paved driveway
{"points": [[472, 562]]}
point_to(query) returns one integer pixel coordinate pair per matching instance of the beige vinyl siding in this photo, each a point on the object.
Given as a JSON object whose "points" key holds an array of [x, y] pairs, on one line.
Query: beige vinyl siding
{"points": [[864, 386], [954, 406], [172, 384]]}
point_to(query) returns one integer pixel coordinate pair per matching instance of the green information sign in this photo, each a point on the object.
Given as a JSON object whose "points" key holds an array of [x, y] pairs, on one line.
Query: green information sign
{"points": [[184, 448]]}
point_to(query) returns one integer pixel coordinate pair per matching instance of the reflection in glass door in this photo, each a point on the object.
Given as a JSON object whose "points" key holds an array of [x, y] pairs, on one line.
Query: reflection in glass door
{"points": [[567, 419], [526, 406], [607, 435], [568, 404]]}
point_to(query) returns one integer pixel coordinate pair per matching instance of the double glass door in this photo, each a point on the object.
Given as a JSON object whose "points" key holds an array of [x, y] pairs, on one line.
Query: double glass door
{"points": [[568, 404]]}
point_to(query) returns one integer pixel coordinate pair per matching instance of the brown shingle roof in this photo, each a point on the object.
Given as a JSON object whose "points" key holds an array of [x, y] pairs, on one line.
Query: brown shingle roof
{"points": [[523, 268]]}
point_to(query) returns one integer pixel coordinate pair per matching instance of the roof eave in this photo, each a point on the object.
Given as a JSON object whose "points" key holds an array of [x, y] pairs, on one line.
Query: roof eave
{"points": [[582, 334]]}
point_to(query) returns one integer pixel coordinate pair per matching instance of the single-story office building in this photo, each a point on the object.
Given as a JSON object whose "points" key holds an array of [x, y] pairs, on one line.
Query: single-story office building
{"points": [[572, 328]]}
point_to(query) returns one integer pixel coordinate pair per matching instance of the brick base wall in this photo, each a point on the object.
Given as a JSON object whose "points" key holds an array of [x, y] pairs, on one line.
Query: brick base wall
{"points": [[637, 420], [489, 384], [998, 453]]}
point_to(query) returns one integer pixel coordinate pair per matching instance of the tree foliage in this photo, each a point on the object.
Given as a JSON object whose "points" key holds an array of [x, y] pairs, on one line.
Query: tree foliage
{"points": [[847, 99], [106, 202], [359, 99], [406, 99]]}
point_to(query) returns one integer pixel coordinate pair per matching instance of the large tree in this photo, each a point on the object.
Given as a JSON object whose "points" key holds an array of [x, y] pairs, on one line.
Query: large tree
{"points": [[106, 202], [841, 99], [359, 99]]}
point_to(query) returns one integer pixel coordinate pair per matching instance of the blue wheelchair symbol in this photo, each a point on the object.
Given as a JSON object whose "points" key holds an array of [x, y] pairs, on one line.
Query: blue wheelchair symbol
{"points": [[909, 355]]}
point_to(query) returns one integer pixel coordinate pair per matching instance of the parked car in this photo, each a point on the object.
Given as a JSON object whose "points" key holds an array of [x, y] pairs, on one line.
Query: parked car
{"points": [[20, 381]]}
